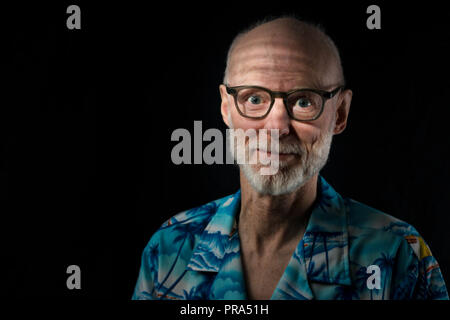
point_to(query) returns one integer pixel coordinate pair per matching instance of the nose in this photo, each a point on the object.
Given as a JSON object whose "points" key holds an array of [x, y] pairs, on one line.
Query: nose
{"points": [[278, 118]]}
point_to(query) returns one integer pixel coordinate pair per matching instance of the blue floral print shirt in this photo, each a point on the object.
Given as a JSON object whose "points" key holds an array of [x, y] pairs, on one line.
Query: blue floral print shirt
{"points": [[196, 255]]}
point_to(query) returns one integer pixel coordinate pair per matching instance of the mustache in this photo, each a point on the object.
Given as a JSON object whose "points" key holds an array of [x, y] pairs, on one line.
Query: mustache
{"points": [[291, 146]]}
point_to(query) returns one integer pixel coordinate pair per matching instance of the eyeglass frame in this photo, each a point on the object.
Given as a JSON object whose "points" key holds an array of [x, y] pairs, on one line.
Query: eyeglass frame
{"points": [[326, 95]]}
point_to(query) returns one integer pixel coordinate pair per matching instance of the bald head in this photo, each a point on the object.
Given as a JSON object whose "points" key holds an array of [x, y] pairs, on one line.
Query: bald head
{"points": [[285, 46]]}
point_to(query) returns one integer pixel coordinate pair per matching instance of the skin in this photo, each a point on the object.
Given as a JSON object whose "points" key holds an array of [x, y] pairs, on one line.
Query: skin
{"points": [[276, 56]]}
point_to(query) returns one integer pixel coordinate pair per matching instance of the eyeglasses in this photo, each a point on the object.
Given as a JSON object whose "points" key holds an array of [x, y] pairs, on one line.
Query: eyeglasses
{"points": [[302, 105]]}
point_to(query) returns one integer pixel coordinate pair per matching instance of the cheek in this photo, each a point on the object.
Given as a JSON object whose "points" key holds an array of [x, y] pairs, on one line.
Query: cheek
{"points": [[307, 133], [310, 132], [240, 122]]}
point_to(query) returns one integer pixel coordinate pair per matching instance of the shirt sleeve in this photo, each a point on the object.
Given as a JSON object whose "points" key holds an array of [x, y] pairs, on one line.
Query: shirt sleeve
{"points": [[417, 272], [145, 285]]}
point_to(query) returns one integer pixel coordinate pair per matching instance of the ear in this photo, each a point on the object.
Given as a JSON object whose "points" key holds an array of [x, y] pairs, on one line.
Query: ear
{"points": [[224, 106], [342, 110]]}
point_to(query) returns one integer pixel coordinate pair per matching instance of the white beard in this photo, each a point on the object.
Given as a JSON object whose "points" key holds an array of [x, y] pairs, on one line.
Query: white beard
{"points": [[289, 177]]}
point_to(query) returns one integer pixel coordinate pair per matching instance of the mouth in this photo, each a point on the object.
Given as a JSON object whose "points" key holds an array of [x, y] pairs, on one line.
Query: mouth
{"points": [[280, 155]]}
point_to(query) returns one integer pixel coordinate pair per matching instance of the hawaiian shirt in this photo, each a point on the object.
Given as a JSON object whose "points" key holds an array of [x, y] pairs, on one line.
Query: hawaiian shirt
{"points": [[196, 255]]}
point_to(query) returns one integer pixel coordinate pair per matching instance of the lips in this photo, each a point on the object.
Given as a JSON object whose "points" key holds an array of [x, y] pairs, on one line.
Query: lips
{"points": [[279, 153]]}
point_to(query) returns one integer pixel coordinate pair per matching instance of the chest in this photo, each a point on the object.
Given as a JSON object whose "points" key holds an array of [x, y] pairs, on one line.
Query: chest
{"points": [[263, 274]]}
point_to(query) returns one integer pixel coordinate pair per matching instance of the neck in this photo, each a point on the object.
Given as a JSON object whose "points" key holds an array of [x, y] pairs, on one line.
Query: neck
{"points": [[268, 223]]}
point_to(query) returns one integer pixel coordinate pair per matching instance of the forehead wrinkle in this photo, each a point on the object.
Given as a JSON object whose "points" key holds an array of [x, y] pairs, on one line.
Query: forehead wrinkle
{"points": [[276, 62], [276, 79], [287, 83], [275, 49], [271, 72]]}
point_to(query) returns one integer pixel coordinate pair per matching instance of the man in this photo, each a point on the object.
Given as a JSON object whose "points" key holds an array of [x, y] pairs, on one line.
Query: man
{"points": [[289, 235]]}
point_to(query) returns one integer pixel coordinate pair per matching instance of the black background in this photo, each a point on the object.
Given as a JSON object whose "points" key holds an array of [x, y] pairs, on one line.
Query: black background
{"points": [[86, 118]]}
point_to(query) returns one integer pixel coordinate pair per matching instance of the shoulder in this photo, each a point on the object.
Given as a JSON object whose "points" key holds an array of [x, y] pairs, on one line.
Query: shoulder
{"points": [[365, 217], [397, 248], [188, 224], [167, 253], [372, 228]]}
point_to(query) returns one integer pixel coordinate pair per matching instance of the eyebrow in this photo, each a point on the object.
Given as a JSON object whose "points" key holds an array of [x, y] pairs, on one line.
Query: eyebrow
{"points": [[296, 88]]}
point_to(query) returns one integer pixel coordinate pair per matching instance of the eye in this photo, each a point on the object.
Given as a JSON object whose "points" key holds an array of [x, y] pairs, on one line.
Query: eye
{"points": [[303, 103], [254, 99]]}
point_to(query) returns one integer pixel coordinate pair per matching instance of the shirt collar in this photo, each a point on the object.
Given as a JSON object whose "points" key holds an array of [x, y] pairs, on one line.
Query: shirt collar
{"points": [[214, 240], [323, 251], [325, 242]]}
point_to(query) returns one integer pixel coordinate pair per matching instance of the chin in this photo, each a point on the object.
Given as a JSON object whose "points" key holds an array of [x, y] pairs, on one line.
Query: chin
{"points": [[288, 179]]}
